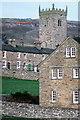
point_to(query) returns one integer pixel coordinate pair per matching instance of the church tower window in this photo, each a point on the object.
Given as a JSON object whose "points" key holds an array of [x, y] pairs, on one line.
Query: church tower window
{"points": [[59, 22]]}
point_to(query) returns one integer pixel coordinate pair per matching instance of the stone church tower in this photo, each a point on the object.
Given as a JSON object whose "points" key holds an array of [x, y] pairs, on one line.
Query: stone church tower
{"points": [[52, 27]]}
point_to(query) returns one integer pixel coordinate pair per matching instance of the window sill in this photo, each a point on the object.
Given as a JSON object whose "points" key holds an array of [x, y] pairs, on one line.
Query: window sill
{"points": [[69, 57], [53, 102], [75, 104], [57, 79], [75, 78]]}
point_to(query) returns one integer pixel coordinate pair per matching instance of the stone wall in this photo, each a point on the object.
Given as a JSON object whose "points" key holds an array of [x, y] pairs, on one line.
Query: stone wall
{"points": [[50, 34], [65, 86], [21, 74], [37, 111]]}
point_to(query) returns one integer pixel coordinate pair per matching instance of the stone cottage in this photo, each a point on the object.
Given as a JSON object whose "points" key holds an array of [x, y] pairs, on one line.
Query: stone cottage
{"points": [[59, 78], [18, 59]]}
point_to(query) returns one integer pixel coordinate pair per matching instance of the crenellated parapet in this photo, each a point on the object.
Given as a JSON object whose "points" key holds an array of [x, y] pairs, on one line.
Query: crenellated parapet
{"points": [[52, 11]]}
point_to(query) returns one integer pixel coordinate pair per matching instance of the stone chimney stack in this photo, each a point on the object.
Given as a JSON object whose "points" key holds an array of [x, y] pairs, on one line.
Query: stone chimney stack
{"points": [[37, 44], [21, 42], [12, 42]]}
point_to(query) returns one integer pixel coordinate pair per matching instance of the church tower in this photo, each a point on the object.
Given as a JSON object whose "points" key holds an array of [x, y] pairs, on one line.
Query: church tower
{"points": [[52, 27]]}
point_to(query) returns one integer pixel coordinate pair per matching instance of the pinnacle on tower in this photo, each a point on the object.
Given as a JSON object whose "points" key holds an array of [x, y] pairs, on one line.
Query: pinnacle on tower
{"points": [[39, 11], [53, 5]]}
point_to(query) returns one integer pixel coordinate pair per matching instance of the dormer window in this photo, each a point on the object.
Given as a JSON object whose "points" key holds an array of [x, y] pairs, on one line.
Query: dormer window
{"points": [[70, 52], [59, 22]]}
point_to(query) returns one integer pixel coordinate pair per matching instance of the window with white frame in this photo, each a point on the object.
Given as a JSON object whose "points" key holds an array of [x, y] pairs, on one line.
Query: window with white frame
{"points": [[18, 55], [54, 73], [43, 57], [67, 52], [34, 55], [24, 65], [18, 64], [76, 72], [70, 52], [24, 55], [57, 73], [76, 98], [4, 54], [3, 63], [53, 96]]}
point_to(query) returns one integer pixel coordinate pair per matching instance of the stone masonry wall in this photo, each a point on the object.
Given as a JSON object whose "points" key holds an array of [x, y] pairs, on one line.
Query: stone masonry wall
{"points": [[64, 87], [50, 34], [21, 74], [37, 111]]}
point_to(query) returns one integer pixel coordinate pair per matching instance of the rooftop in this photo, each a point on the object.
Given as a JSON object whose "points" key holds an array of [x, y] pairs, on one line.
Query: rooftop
{"points": [[26, 49]]}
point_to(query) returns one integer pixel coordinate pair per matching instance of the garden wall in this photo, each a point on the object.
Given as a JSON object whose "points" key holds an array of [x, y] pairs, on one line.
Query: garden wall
{"points": [[21, 74], [37, 111]]}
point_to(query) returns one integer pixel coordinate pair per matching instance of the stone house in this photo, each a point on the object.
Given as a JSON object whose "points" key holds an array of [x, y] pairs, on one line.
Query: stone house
{"points": [[59, 76], [17, 58]]}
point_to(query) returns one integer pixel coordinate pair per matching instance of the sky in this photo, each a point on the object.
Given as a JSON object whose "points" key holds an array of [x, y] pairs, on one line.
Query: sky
{"points": [[30, 9]]}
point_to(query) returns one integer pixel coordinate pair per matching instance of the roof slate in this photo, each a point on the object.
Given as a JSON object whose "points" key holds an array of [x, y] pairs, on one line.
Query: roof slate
{"points": [[26, 49], [77, 40]]}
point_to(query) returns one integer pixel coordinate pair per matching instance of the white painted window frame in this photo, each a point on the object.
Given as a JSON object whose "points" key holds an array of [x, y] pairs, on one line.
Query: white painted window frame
{"points": [[74, 96], [67, 56], [52, 73], [25, 65], [18, 55], [4, 54], [58, 71], [53, 97], [2, 64], [72, 51], [25, 55], [18, 67], [74, 73], [43, 57]]}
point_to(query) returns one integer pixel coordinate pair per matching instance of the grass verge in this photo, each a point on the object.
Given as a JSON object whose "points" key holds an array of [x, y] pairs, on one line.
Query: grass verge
{"points": [[13, 85]]}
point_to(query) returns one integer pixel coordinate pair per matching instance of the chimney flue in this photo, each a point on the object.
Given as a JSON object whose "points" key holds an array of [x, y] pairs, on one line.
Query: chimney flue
{"points": [[37, 44]]}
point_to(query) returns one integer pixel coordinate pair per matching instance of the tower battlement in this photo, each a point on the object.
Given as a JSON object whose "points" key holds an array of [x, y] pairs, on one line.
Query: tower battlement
{"points": [[52, 11]]}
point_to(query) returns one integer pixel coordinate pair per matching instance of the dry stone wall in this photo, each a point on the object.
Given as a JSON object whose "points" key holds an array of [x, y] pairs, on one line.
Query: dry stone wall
{"points": [[38, 111], [21, 74]]}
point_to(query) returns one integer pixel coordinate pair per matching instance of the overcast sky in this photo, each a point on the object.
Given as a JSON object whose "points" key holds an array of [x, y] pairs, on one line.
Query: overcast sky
{"points": [[30, 9]]}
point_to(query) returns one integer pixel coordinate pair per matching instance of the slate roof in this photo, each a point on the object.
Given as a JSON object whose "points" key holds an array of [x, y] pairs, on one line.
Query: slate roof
{"points": [[26, 49], [77, 40]]}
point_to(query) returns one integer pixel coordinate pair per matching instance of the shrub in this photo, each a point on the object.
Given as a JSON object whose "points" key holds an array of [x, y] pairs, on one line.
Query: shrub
{"points": [[25, 96]]}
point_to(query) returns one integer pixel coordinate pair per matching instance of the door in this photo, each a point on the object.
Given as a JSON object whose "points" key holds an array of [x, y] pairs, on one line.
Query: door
{"points": [[8, 65], [29, 67]]}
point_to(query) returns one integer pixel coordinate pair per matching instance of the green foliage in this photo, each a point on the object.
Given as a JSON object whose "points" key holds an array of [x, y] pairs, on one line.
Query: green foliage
{"points": [[25, 96], [13, 85]]}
